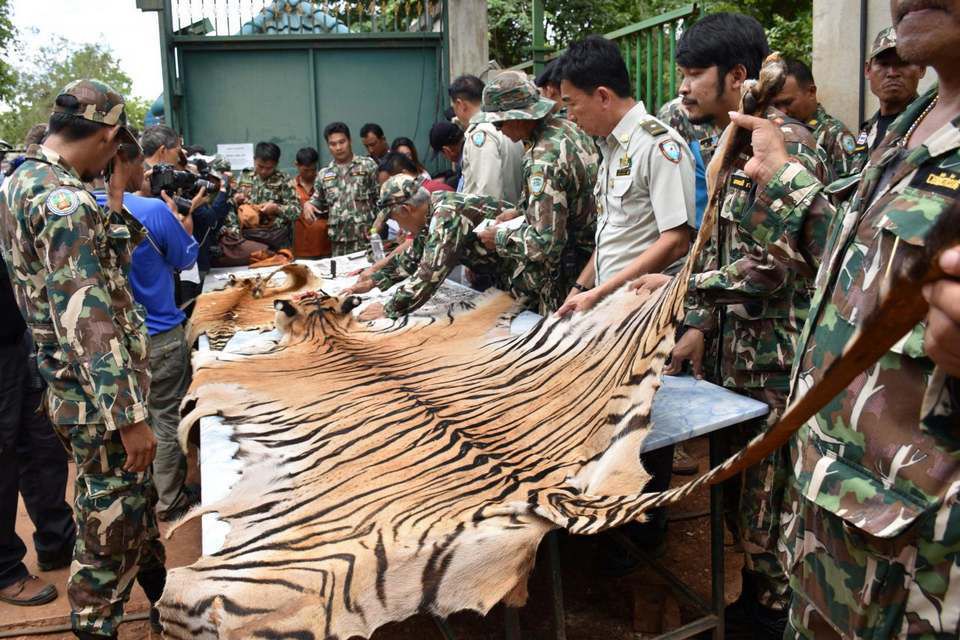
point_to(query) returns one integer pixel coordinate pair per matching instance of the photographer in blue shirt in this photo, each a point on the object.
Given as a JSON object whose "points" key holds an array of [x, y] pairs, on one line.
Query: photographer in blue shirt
{"points": [[161, 144], [168, 248]]}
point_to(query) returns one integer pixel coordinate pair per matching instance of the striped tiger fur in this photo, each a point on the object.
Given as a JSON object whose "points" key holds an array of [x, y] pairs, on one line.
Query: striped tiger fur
{"points": [[246, 303], [414, 469]]}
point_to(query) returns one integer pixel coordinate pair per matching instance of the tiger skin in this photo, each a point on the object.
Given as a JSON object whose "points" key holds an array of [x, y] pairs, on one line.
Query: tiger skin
{"points": [[415, 468], [246, 303]]}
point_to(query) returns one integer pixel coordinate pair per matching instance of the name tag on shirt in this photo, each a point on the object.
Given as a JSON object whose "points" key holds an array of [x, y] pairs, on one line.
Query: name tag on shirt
{"points": [[938, 180], [742, 183]]}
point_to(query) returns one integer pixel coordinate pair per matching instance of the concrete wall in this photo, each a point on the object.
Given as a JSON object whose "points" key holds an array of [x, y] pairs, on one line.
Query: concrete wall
{"points": [[837, 66], [469, 52]]}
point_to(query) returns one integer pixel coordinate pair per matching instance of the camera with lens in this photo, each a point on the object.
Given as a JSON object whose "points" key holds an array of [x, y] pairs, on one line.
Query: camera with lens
{"points": [[181, 185]]}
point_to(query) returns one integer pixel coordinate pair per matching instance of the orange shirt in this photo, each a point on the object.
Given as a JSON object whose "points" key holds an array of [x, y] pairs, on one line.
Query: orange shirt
{"points": [[310, 240], [304, 193]]}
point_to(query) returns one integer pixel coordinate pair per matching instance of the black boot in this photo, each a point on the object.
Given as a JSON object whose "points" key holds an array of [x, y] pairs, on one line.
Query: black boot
{"points": [[769, 624], [152, 581], [746, 619], [738, 623], [155, 619]]}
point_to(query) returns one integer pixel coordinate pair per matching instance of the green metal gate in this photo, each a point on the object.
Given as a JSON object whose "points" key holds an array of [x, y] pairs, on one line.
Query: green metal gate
{"points": [[241, 71], [648, 47]]}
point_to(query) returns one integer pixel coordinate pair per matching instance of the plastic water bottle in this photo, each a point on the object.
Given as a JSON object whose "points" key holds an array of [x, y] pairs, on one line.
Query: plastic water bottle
{"points": [[376, 245]]}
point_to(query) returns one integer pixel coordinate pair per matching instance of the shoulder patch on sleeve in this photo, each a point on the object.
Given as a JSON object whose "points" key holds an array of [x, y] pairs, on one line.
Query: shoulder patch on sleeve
{"points": [[63, 202], [653, 127], [536, 183], [848, 143], [670, 150], [478, 137]]}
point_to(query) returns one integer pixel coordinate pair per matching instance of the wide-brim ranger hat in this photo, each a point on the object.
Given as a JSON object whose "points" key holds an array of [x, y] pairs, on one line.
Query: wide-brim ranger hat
{"points": [[97, 102], [512, 96]]}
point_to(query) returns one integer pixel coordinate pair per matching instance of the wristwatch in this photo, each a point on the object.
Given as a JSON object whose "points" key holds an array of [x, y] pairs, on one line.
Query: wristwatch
{"points": [[577, 285]]}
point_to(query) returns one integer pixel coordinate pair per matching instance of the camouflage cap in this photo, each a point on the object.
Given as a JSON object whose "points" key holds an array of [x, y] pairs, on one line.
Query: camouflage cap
{"points": [[512, 96], [97, 103], [397, 190], [885, 40]]}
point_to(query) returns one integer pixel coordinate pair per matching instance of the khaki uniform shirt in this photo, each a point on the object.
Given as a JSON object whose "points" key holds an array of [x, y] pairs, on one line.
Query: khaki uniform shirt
{"points": [[492, 164], [646, 186]]}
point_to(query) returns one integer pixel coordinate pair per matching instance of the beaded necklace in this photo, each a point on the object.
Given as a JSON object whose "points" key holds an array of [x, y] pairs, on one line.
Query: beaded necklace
{"points": [[923, 114]]}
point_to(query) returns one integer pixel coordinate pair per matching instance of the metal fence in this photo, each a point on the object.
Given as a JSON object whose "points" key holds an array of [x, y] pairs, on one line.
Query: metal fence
{"points": [[277, 17], [649, 49]]}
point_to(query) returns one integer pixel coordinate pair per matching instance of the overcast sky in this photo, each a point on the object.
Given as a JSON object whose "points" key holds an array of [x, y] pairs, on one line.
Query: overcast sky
{"points": [[131, 33]]}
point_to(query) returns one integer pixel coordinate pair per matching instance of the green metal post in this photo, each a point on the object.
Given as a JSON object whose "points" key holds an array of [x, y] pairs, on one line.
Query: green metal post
{"points": [[648, 71], [659, 96], [539, 37], [315, 107], [625, 52], [445, 54], [637, 66], [164, 21], [673, 60]]}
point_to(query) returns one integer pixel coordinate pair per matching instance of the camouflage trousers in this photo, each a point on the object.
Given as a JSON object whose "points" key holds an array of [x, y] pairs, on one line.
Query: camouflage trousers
{"points": [[117, 536], [849, 584], [754, 502], [344, 247], [348, 235]]}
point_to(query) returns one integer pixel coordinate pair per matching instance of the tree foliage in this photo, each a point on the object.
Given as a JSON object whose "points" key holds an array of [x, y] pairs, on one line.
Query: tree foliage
{"points": [[52, 68], [8, 41], [789, 23]]}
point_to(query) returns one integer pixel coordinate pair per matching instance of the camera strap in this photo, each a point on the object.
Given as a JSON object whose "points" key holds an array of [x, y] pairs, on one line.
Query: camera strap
{"points": [[153, 243]]}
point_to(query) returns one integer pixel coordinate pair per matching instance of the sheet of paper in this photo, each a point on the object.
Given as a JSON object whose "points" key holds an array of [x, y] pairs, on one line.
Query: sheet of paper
{"points": [[240, 155], [191, 275], [515, 223]]}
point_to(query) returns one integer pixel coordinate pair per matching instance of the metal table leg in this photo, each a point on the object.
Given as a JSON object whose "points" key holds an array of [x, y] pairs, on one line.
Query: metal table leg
{"points": [[444, 628], [556, 585], [718, 599], [511, 623]]}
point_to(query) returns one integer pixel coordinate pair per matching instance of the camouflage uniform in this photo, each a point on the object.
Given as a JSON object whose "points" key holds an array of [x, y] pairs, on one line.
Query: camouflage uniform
{"points": [[871, 530], [706, 135], [347, 195], [869, 132], [446, 240], [559, 172], [276, 188], [837, 143], [756, 300], [69, 263]]}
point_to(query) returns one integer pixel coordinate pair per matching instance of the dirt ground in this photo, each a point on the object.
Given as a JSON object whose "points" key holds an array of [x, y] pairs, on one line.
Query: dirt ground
{"points": [[634, 607]]}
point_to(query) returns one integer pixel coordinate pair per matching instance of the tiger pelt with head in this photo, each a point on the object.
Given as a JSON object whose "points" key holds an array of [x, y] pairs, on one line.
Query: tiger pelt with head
{"points": [[412, 468], [415, 468]]}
